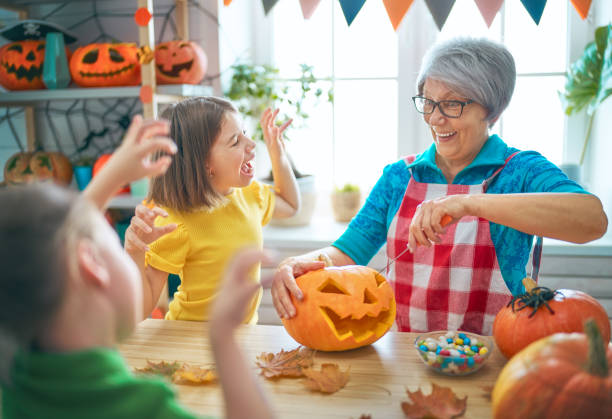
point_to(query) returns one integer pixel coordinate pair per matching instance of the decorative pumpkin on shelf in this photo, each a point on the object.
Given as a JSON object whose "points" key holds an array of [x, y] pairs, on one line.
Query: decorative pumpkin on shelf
{"points": [[541, 312], [21, 65], [566, 375], [178, 62], [100, 162], [39, 166], [343, 308], [105, 65]]}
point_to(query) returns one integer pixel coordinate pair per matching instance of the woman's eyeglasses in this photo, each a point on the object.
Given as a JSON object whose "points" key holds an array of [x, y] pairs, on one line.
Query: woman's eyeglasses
{"points": [[448, 108]]}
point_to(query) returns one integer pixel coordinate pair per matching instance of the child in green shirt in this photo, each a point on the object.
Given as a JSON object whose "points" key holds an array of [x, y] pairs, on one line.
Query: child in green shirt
{"points": [[69, 293]]}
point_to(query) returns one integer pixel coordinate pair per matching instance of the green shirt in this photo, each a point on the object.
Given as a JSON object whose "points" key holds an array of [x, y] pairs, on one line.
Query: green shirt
{"points": [[94, 383]]}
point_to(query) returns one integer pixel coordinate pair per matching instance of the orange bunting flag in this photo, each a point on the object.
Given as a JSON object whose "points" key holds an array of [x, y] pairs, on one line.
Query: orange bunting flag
{"points": [[488, 9], [226, 2], [582, 7], [308, 7], [396, 9]]}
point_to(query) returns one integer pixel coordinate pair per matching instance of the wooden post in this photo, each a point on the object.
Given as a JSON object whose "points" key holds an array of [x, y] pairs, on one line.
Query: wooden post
{"points": [[182, 19], [147, 37]]}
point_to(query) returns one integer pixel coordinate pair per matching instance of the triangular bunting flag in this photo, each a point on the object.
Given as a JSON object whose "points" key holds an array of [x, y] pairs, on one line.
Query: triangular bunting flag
{"points": [[268, 5], [440, 9], [308, 7], [488, 9], [350, 8], [535, 9], [396, 9], [582, 7], [226, 2]]}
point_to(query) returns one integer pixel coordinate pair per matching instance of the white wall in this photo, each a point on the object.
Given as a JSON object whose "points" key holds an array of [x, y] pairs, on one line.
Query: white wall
{"points": [[597, 163]]}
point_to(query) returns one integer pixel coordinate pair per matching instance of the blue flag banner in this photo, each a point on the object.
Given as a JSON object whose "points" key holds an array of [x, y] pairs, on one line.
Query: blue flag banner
{"points": [[350, 8], [535, 9]]}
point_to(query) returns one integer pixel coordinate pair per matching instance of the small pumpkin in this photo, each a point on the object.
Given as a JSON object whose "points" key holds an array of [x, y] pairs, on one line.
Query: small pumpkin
{"points": [[99, 164], [541, 312], [105, 64], [17, 169], [178, 62], [51, 165], [21, 65], [343, 308], [565, 375]]}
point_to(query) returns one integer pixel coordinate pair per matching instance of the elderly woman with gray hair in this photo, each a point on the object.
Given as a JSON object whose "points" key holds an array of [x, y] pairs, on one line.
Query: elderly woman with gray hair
{"points": [[466, 209]]}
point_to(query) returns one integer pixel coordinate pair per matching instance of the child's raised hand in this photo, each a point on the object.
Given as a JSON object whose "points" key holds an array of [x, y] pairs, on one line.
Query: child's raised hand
{"points": [[231, 305], [272, 133], [142, 229]]}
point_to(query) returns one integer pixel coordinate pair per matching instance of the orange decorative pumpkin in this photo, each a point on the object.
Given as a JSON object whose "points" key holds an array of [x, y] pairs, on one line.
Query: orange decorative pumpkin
{"points": [[180, 62], [17, 169], [21, 65], [103, 65], [102, 160], [51, 165], [343, 308], [565, 375], [541, 312]]}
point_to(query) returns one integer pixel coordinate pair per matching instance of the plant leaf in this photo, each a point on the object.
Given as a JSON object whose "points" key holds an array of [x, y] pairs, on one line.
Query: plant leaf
{"points": [[604, 43], [329, 380], [194, 375], [285, 364], [164, 368], [442, 403]]}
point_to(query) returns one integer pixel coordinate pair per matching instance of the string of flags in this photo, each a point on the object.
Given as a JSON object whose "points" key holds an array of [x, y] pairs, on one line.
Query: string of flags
{"points": [[439, 9]]}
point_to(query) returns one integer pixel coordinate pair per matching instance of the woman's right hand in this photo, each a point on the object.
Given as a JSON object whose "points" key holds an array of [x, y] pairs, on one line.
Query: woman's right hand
{"points": [[142, 229], [284, 283]]}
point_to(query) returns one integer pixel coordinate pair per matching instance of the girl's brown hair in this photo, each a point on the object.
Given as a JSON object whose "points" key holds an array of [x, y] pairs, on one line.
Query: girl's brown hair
{"points": [[40, 226], [194, 125]]}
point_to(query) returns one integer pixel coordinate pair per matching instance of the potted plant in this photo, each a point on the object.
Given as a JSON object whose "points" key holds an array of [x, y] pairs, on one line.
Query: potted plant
{"points": [[346, 202], [253, 88], [589, 79]]}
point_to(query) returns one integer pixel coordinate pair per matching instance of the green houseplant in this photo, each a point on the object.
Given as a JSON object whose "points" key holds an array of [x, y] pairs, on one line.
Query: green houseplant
{"points": [[253, 88], [589, 79]]}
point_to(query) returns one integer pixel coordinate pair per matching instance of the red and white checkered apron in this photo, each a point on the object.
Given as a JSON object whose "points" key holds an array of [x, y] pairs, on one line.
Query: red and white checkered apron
{"points": [[453, 285]]}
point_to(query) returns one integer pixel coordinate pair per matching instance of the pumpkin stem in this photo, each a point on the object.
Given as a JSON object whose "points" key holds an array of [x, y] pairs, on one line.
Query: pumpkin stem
{"points": [[529, 284], [596, 363]]}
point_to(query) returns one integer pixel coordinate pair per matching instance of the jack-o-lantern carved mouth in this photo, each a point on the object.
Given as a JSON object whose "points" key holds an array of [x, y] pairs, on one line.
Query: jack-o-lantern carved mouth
{"points": [[106, 74], [176, 69], [374, 321], [21, 72]]}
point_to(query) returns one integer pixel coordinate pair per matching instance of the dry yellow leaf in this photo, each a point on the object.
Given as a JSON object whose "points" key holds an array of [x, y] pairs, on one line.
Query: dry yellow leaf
{"points": [[329, 380]]}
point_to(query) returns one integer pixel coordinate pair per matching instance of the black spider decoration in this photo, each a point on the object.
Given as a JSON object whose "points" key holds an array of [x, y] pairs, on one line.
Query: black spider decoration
{"points": [[535, 298]]}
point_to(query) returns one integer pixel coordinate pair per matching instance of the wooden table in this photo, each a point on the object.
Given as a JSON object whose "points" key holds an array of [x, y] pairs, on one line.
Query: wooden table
{"points": [[379, 375]]}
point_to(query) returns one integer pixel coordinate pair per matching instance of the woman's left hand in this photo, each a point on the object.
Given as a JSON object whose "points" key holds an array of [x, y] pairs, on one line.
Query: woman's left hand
{"points": [[427, 223], [272, 133]]}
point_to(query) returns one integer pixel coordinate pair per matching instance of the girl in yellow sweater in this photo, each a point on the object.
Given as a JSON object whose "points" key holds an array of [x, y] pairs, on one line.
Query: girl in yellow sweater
{"points": [[208, 205]]}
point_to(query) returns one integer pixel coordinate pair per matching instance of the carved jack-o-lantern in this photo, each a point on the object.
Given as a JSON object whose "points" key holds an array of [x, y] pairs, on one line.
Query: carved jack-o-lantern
{"points": [[343, 308], [21, 65], [179, 62], [102, 65], [42, 165]]}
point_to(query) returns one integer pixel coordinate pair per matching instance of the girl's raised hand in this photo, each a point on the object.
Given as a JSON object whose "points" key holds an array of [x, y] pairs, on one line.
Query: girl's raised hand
{"points": [[142, 229], [272, 133]]}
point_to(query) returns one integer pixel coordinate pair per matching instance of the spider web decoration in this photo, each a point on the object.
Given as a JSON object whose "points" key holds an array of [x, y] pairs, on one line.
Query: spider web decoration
{"points": [[87, 128]]}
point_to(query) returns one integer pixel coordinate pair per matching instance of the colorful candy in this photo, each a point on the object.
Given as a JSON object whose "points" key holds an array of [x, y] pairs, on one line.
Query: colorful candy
{"points": [[453, 353]]}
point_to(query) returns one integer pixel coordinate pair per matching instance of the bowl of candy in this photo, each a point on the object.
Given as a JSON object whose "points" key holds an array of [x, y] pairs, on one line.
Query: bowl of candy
{"points": [[453, 353]]}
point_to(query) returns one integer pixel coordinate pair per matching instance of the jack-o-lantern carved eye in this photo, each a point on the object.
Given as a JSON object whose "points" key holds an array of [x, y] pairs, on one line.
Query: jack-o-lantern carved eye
{"points": [[343, 308], [115, 56], [91, 57], [15, 47], [183, 45], [41, 46]]}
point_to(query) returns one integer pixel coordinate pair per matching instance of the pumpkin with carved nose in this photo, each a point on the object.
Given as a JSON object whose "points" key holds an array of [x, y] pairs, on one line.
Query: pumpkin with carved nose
{"points": [[179, 62], [21, 65], [344, 307], [106, 64]]}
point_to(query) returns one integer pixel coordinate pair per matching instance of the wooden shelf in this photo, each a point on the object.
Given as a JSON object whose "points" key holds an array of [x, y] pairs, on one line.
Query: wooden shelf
{"points": [[165, 93]]}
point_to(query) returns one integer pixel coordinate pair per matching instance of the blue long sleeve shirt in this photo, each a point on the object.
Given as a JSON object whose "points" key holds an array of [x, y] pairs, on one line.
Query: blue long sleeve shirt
{"points": [[526, 172]]}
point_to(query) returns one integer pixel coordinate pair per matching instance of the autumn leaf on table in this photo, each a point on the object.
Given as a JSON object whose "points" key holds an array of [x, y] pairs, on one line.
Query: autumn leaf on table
{"points": [[329, 380], [285, 364], [159, 368], [442, 403], [191, 374]]}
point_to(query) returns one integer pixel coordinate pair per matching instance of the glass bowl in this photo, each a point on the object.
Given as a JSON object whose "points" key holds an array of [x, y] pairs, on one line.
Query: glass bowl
{"points": [[466, 354]]}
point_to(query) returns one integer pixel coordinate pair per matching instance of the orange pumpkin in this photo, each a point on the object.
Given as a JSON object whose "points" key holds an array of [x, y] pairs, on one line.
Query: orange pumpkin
{"points": [[21, 65], [103, 65], [29, 167], [541, 312], [343, 308], [17, 169], [180, 62], [565, 375], [99, 164]]}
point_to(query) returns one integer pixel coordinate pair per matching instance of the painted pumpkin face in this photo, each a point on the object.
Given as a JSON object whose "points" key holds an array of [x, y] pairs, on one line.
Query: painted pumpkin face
{"points": [[39, 166], [178, 62], [21, 65], [343, 308], [103, 65]]}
